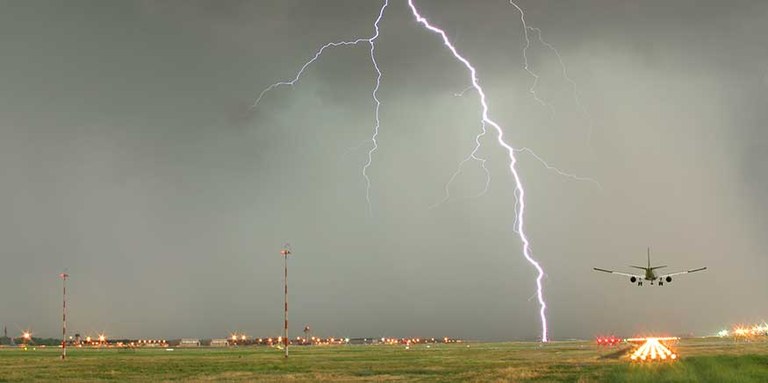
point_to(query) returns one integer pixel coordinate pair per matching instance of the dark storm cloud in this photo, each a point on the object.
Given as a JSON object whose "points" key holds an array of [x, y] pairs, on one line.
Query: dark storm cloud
{"points": [[130, 158]]}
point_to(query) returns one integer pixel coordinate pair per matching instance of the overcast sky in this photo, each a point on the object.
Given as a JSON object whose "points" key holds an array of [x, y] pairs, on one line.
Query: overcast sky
{"points": [[130, 158]]}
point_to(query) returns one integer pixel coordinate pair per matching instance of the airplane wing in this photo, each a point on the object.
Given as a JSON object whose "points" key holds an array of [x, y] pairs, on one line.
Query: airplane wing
{"points": [[619, 273], [682, 272]]}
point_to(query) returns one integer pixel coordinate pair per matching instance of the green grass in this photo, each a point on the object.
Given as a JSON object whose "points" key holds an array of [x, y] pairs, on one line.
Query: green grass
{"points": [[701, 361]]}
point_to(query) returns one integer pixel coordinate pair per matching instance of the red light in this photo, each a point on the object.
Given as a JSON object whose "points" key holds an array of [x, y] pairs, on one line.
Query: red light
{"points": [[608, 340]]}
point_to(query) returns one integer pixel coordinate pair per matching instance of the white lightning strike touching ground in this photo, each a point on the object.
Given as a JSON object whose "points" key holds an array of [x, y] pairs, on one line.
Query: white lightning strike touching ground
{"points": [[519, 191]]}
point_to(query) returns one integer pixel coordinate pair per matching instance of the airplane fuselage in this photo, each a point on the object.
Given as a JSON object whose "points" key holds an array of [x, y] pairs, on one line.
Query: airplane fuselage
{"points": [[649, 275]]}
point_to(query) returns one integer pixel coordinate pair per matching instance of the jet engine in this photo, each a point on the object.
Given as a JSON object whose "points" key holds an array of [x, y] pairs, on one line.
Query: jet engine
{"points": [[669, 279], [633, 279]]}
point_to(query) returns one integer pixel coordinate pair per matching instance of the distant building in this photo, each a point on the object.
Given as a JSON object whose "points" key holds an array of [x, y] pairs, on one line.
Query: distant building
{"points": [[5, 339], [189, 343], [219, 342]]}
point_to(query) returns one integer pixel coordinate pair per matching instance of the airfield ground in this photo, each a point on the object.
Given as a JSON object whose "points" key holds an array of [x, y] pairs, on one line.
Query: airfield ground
{"points": [[702, 360]]}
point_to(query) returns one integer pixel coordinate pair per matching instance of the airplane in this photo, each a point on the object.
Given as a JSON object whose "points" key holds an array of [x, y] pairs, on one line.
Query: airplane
{"points": [[649, 275]]}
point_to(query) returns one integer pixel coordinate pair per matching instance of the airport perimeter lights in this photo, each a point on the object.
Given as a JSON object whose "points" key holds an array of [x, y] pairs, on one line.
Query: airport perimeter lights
{"points": [[64, 277], [285, 252]]}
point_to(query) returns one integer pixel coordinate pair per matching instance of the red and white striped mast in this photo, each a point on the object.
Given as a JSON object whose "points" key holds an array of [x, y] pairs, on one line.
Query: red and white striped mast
{"points": [[284, 252], [64, 277]]}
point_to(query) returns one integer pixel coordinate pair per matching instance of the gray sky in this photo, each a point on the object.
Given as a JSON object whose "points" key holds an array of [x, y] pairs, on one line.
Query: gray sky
{"points": [[130, 159]]}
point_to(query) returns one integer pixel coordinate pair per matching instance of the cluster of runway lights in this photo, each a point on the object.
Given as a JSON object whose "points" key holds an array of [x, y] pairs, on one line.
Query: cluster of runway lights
{"points": [[652, 350], [101, 339], [244, 340], [239, 339], [409, 341], [742, 331]]}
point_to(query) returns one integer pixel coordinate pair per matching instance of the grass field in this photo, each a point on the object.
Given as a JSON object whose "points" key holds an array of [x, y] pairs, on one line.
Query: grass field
{"points": [[702, 360]]}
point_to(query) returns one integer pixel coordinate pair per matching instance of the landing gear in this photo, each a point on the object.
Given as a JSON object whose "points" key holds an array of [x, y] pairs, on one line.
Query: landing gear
{"points": [[661, 283], [640, 283]]}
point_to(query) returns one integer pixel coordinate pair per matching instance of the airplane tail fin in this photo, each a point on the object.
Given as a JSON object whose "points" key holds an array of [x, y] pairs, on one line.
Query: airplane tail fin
{"points": [[649, 257]]}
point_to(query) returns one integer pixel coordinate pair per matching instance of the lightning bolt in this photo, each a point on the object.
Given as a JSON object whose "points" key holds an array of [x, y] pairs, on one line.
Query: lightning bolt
{"points": [[526, 67], [574, 87], [474, 157], [375, 93], [465, 90], [519, 191], [371, 42], [564, 69], [558, 171], [473, 154], [471, 157]]}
